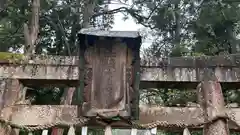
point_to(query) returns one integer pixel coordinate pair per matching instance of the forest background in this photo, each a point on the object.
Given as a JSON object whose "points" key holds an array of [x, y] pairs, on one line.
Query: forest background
{"points": [[177, 28]]}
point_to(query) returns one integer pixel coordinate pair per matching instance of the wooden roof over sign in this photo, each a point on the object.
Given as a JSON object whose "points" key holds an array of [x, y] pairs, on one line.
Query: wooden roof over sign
{"points": [[102, 33], [131, 38]]}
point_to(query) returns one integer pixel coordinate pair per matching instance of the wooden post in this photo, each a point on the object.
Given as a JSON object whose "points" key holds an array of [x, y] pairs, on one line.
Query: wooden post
{"points": [[136, 96], [211, 100], [66, 100], [10, 92]]}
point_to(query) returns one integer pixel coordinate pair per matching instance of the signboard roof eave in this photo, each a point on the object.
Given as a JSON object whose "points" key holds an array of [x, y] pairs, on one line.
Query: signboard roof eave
{"points": [[114, 34]]}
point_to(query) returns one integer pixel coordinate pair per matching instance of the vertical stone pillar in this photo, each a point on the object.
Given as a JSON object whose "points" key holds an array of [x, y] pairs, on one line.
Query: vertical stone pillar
{"points": [[66, 100], [211, 99], [10, 93]]}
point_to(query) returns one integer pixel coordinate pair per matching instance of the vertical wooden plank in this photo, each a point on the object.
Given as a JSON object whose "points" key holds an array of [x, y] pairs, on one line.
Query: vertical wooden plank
{"points": [[10, 92], [121, 77], [45, 132], [108, 61], [81, 66], [66, 100], [136, 78], [211, 99]]}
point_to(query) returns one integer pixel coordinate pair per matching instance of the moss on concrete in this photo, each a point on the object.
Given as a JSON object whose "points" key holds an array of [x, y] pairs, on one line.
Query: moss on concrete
{"points": [[11, 57]]}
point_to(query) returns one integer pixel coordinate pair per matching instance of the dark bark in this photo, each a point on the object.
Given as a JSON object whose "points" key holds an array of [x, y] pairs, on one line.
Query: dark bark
{"points": [[31, 31], [3, 5]]}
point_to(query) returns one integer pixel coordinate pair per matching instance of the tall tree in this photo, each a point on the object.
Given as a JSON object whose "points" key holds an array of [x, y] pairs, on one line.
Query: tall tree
{"points": [[183, 26]]}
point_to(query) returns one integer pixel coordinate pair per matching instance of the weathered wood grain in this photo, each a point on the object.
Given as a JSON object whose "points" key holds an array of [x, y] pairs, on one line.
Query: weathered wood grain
{"points": [[45, 114], [108, 79]]}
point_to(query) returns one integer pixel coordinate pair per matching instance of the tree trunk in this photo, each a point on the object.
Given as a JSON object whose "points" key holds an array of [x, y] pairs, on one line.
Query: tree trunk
{"points": [[177, 39], [88, 12], [233, 48], [2, 5], [31, 32], [66, 100]]}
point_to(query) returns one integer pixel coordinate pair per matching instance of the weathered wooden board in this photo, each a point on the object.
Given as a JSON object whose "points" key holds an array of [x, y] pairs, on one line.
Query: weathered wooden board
{"points": [[107, 77], [226, 69], [46, 114]]}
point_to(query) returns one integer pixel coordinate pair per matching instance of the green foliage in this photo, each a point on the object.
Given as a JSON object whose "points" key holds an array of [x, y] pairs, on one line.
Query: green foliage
{"points": [[47, 95], [208, 27], [60, 21], [179, 50], [189, 28], [179, 28]]}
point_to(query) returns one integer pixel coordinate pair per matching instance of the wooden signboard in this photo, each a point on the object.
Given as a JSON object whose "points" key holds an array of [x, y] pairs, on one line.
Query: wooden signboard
{"points": [[110, 82]]}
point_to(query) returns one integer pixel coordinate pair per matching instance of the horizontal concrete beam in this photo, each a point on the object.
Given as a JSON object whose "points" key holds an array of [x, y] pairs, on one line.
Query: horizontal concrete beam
{"points": [[46, 114], [182, 62], [188, 70], [178, 74], [54, 72]]}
